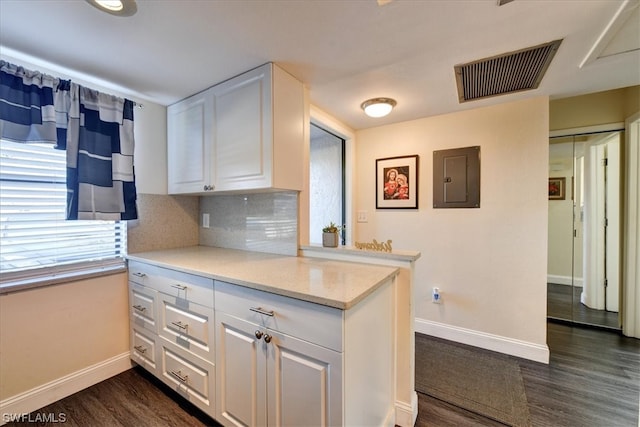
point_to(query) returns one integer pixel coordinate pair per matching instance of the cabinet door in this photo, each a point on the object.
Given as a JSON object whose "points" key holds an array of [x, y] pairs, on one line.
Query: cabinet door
{"points": [[240, 373], [243, 131], [189, 142], [304, 383]]}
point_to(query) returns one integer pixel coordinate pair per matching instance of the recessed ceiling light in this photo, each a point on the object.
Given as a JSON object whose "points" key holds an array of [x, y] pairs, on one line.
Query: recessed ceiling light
{"points": [[115, 7], [378, 107]]}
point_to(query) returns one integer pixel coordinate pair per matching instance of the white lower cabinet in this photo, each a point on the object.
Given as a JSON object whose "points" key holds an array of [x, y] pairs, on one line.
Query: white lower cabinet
{"points": [[281, 361], [172, 330], [252, 358], [269, 378]]}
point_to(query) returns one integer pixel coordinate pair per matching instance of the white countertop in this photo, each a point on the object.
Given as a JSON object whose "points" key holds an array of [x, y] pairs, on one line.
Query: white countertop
{"points": [[336, 284]]}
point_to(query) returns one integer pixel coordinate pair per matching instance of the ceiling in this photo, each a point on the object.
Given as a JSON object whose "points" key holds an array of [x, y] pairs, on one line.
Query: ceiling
{"points": [[345, 51]]}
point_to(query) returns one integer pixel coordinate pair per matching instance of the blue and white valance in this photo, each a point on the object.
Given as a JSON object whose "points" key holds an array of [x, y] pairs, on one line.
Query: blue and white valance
{"points": [[96, 129], [26, 105]]}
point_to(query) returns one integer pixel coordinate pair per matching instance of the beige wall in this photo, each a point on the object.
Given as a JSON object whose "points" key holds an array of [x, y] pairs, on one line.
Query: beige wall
{"points": [[599, 108], [490, 263], [54, 331]]}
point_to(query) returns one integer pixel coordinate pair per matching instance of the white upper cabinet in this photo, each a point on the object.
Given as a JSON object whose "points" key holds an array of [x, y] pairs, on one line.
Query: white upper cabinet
{"points": [[189, 144], [244, 134]]}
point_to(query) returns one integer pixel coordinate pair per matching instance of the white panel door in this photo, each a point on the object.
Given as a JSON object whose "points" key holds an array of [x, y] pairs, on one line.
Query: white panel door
{"points": [[189, 144], [304, 383], [243, 131], [241, 370]]}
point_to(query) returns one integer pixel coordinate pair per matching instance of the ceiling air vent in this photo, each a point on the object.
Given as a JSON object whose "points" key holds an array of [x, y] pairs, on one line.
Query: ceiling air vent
{"points": [[503, 74]]}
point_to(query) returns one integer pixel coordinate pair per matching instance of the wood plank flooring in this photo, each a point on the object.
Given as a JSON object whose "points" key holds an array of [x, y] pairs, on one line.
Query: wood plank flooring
{"points": [[561, 305], [592, 380]]}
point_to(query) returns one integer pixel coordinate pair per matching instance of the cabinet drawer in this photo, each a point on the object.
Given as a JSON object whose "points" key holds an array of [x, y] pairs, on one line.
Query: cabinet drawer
{"points": [[191, 377], [311, 322], [142, 307], [143, 349], [188, 325], [180, 285]]}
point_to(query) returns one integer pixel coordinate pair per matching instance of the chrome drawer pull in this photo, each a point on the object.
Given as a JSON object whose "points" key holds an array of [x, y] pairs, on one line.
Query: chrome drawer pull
{"points": [[140, 349], [138, 274], [179, 376], [140, 308], [261, 310], [180, 287], [180, 325]]}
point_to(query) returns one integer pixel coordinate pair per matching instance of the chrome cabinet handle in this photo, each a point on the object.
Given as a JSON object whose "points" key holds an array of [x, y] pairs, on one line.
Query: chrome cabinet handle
{"points": [[259, 334], [140, 308], [261, 310], [180, 325], [138, 274], [179, 287], [140, 349], [267, 338], [178, 375]]}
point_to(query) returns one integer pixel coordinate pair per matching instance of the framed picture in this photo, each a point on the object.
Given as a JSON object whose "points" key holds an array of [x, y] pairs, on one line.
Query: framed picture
{"points": [[557, 188], [397, 183]]}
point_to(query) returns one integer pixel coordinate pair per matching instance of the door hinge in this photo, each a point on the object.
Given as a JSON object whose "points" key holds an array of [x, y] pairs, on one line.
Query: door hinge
{"points": [[605, 162], [606, 283]]}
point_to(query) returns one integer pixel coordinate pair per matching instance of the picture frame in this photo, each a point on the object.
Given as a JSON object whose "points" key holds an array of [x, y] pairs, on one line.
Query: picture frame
{"points": [[397, 182], [557, 188]]}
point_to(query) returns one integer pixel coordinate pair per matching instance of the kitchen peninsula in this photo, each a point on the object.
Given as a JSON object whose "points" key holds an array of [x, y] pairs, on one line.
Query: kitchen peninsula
{"points": [[262, 339]]}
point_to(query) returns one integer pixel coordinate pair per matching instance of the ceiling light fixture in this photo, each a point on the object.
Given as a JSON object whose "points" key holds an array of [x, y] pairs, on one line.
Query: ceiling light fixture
{"points": [[378, 107], [115, 7]]}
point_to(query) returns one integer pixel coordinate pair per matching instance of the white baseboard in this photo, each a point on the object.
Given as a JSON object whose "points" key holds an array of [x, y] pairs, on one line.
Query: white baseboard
{"points": [[564, 280], [513, 347], [407, 414], [38, 397]]}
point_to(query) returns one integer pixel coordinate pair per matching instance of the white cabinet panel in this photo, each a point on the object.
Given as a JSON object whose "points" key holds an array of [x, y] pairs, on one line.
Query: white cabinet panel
{"points": [[192, 378], [142, 307], [311, 322], [305, 383], [242, 130], [189, 153], [143, 349], [241, 373], [188, 325]]}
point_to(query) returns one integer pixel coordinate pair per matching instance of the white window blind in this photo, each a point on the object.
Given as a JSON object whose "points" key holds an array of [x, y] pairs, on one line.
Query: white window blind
{"points": [[35, 239]]}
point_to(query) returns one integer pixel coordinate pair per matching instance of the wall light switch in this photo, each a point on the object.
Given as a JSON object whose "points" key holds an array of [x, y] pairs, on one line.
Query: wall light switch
{"points": [[205, 220], [362, 216]]}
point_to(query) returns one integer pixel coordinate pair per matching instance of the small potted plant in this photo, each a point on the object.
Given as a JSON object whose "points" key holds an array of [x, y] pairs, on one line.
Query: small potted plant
{"points": [[331, 235]]}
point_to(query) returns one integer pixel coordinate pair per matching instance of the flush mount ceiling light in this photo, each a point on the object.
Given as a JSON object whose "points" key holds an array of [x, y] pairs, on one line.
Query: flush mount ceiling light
{"points": [[115, 7], [378, 107]]}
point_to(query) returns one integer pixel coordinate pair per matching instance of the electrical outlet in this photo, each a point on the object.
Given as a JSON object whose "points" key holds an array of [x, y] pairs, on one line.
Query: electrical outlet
{"points": [[205, 220], [436, 297]]}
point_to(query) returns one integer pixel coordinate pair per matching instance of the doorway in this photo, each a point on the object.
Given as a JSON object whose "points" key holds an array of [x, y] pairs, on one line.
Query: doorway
{"points": [[584, 254]]}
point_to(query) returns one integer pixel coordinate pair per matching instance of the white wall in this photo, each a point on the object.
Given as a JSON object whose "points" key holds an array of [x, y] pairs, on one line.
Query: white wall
{"points": [[490, 263]]}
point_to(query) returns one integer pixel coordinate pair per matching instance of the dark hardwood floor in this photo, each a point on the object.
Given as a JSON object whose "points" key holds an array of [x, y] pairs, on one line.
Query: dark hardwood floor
{"points": [[562, 305], [592, 380]]}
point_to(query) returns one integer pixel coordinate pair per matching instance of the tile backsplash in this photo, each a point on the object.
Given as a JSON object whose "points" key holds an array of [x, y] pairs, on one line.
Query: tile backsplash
{"points": [[262, 222], [165, 222]]}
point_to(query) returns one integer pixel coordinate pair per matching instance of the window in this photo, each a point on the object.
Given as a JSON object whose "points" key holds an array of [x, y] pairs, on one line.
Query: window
{"points": [[326, 182], [36, 242]]}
